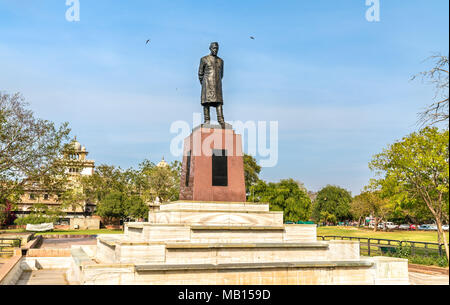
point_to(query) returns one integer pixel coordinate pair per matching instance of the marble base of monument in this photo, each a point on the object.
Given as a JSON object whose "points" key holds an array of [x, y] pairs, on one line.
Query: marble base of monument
{"points": [[193, 242]]}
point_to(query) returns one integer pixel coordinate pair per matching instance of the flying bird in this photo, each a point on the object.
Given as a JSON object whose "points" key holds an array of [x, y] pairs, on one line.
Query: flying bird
{"points": [[251, 37], [147, 41]]}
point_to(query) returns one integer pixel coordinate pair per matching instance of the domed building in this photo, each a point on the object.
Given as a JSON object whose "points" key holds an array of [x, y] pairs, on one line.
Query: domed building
{"points": [[77, 164], [162, 163]]}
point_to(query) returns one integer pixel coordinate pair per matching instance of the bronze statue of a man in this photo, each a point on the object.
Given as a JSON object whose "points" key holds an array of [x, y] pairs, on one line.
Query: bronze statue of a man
{"points": [[210, 74]]}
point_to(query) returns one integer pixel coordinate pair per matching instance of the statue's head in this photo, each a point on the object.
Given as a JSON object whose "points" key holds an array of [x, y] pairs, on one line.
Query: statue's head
{"points": [[214, 47]]}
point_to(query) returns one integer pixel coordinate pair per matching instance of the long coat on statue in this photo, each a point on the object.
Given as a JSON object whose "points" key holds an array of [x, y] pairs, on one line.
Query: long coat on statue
{"points": [[210, 74]]}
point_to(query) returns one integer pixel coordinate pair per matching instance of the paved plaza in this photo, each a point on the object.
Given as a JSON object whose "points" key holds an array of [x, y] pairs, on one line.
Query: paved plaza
{"points": [[58, 277], [416, 278], [43, 277], [66, 243]]}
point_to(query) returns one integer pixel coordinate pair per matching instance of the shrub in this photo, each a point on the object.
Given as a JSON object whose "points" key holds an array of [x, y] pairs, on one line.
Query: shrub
{"points": [[432, 260], [34, 219]]}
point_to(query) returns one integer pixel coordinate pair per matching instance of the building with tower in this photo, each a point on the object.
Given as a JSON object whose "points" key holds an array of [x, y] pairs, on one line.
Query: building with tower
{"points": [[76, 166]]}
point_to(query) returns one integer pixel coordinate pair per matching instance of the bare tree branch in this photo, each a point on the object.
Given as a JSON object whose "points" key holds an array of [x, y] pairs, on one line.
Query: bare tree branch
{"points": [[436, 112]]}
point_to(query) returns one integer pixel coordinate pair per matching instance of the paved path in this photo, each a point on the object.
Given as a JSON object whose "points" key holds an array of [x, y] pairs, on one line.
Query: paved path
{"points": [[2, 261], [43, 277], [58, 277], [416, 278], [63, 243]]}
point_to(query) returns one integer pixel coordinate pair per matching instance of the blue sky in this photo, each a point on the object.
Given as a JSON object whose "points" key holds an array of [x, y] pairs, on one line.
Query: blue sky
{"points": [[338, 85]]}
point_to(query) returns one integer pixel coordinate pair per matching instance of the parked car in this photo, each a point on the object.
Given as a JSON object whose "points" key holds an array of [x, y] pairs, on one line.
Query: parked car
{"points": [[391, 225], [428, 227], [433, 227], [386, 225], [424, 227], [445, 227], [407, 227], [380, 226], [404, 227]]}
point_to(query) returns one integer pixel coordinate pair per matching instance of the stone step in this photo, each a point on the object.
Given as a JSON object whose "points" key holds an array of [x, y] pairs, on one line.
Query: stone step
{"points": [[223, 253], [213, 206], [220, 233], [217, 217], [238, 228], [243, 266], [80, 257], [316, 245], [113, 242], [110, 250], [370, 271], [273, 273], [118, 250]]}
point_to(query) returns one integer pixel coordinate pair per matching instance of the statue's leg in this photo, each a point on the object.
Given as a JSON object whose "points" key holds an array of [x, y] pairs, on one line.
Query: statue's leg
{"points": [[220, 118], [206, 113]]}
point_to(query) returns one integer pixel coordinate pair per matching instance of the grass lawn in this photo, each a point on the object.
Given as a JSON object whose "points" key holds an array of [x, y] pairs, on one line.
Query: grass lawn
{"points": [[396, 235], [69, 232]]}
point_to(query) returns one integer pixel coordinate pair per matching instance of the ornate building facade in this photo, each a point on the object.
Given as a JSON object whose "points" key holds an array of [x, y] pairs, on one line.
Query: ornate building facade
{"points": [[76, 166]]}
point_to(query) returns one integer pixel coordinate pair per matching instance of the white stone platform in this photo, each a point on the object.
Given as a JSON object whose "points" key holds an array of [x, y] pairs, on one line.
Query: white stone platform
{"points": [[219, 233], [227, 243], [220, 213]]}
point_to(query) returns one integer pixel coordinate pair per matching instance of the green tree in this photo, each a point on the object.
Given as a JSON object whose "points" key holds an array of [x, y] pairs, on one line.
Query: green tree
{"points": [[335, 201], [133, 188], [251, 172], [117, 205], [113, 190], [135, 207], [286, 196], [419, 164], [359, 209], [404, 208], [370, 203], [327, 217], [161, 182], [73, 198], [105, 180], [30, 150], [112, 206], [40, 213]]}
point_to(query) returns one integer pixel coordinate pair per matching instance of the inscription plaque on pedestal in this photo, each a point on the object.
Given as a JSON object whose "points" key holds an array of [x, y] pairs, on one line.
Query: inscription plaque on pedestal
{"points": [[219, 168], [188, 167]]}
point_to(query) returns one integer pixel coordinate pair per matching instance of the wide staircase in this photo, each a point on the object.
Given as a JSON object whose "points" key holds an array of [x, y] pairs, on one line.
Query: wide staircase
{"points": [[226, 243]]}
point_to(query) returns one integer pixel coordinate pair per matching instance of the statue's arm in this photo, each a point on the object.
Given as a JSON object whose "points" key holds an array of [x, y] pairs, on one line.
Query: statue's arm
{"points": [[221, 70], [201, 70]]}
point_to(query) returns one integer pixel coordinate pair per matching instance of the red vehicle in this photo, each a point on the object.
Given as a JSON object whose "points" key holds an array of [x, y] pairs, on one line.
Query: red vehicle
{"points": [[407, 227]]}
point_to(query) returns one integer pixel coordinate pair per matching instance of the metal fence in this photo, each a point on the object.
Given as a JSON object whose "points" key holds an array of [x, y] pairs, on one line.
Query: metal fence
{"points": [[7, 245], [377, 246]]}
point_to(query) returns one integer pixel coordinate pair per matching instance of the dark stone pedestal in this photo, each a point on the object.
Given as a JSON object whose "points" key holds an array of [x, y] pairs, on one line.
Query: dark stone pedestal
{"points": [[213, 165]]}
